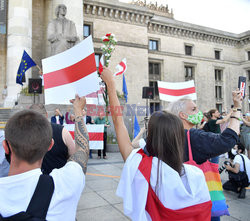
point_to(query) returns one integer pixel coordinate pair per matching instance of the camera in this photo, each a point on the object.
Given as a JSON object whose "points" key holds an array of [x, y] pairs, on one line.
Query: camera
{"points": [[222, 168]]}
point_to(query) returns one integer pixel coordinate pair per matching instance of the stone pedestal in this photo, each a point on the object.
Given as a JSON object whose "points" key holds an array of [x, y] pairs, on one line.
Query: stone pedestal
{"points": [[19, 39]]}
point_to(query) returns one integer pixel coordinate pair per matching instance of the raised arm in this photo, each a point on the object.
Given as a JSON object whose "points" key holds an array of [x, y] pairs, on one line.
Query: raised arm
{"points": [[234, 123], [225, 119], [136, 140], [81, 134], [123, 139]]}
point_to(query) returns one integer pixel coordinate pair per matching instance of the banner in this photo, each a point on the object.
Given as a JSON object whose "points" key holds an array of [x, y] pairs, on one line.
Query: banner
{"points": [[169, 91], [70, 72], [95, 131]]}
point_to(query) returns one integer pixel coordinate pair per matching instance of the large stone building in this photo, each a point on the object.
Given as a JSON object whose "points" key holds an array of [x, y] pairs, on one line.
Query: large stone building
{"points": [[156, 46]]}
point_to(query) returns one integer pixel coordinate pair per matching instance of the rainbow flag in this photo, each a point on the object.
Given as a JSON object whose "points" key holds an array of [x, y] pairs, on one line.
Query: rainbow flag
{"points": [[211, 173]]}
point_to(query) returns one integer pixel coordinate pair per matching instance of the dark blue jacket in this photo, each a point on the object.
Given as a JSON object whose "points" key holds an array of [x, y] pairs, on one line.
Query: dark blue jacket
{"points": [[206, 145], [53, 119]]}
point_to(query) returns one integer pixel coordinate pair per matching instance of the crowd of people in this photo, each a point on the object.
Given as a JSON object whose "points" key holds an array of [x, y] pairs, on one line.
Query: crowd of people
{"points": [[161, 179]]}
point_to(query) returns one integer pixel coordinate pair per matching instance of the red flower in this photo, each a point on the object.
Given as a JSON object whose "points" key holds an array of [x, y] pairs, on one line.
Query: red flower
{"points": [[106, 39], [107, 35]]}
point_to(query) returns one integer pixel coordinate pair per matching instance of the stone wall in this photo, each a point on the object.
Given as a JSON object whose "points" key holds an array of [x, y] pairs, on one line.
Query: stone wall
{"points": [[2, 63]]}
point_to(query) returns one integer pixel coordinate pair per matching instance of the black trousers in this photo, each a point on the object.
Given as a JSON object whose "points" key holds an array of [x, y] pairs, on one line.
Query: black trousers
{"points": [[231, 185], [104, 145]]}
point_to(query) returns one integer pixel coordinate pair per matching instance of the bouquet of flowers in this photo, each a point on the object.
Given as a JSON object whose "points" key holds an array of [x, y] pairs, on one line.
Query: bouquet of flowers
{"points": [[109, 41]]}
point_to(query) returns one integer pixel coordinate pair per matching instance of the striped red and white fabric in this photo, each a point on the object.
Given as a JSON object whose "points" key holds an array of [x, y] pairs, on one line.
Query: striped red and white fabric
{"points": [[70, 72], [95, 131], [95, 98], [101, 64], [121, 67], [184, 197], [169, 91]]}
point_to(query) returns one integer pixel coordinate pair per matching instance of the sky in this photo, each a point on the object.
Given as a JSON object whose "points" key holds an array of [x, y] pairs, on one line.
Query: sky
{"points": [[226, 15]]}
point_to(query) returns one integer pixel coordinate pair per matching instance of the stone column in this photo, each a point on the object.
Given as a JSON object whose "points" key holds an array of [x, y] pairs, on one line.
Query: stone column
{"points": [[19, 39], [74, 13]]}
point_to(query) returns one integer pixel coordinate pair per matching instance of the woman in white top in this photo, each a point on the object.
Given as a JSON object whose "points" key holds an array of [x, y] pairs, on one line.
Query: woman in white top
{"points": [[157, 185]]}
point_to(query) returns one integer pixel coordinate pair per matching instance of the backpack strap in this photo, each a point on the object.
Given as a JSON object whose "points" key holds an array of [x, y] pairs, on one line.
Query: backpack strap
{"points": [[190, 155], [39, 203], [243, 163]]}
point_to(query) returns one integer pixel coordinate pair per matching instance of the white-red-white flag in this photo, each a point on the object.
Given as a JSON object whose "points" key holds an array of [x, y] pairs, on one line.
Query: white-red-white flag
{"points": [[101, 64], [95, 131], [70, 72], [95, 98], [169, 91], [121, 67]]}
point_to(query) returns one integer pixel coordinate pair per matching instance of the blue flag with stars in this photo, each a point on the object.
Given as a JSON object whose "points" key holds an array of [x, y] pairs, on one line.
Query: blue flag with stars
{"points": [[25, 64], [124, 89]]}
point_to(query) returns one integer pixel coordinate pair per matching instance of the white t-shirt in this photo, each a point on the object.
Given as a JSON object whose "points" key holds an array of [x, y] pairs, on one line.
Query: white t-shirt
{"points": [[175, 192], [239, 160], [16, 192]]}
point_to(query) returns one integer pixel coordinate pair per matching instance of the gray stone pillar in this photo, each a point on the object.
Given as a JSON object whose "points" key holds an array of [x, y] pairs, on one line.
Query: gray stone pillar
{"points": [[19, 39], [74, 13]]}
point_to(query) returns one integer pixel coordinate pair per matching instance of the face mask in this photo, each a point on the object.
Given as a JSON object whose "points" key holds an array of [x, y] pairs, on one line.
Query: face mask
{"points": [[195, 118], [233, 151]]}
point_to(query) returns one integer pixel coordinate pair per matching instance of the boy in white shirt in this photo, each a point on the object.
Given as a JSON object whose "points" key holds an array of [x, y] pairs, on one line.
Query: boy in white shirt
{"points": [[238, 165], [28, 136]]}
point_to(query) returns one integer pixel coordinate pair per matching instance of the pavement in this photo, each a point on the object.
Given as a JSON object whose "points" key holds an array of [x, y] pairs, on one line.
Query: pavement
{"points": [[99, 201]]}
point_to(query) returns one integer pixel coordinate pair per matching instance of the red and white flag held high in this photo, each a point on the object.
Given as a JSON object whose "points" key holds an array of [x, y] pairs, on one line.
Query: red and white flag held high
{"points": [[101, 64], [70, 72], [121, 67], [95, 134], [169, 91]]}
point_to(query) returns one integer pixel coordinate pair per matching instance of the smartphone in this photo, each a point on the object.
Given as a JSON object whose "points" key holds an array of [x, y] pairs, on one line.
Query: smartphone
{"points": [[242, 85]]}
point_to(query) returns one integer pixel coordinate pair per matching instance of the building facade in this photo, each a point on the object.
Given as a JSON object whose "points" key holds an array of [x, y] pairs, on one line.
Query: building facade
{"points": [[156, 46]]}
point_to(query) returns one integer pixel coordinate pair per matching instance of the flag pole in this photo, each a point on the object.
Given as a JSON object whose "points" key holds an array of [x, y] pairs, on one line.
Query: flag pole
{"points": [[40, 70]]}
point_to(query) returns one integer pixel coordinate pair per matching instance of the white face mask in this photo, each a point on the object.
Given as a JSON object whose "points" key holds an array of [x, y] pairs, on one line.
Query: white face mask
{"points": [[233, 151]]}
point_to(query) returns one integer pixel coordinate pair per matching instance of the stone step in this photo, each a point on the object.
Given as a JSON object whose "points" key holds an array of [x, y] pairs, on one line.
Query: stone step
{"points": [[5, 114], [2, 124]]}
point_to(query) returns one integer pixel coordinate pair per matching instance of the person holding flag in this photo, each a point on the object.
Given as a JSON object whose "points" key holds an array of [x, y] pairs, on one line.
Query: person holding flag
{"points": [[157, 185], [25, 64]]}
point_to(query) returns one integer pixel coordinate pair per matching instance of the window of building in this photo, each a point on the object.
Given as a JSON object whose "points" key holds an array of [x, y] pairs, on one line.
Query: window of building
{"points": [[154, 68], [189, 73], [97, 59], [153, 45], [155, 86], [188, 50], [218, 92], [248, 55], [217, 54], [154, 106], [86, 30], [218, 74], [248, 73], [219, 107]]}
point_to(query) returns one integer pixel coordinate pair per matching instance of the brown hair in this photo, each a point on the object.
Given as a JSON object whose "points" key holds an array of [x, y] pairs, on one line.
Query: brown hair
{"points": [[166, 139], [29, 134], [211, 112]]}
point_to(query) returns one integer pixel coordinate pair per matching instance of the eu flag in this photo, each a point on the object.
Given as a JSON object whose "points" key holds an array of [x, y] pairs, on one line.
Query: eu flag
{"points": [[136, 127], [124, 89], [25, 64]]}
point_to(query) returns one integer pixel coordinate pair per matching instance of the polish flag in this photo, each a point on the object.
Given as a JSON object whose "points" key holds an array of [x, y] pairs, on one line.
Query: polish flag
{"points": [[101, 64], [95, 131], [121, 67], [70, 72], [169, 91]]}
